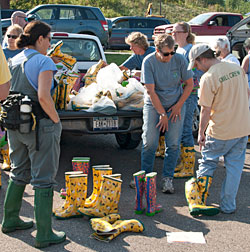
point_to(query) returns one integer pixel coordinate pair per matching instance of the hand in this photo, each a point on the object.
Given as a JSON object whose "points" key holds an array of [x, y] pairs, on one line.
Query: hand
{"points": [[163, 123], [56, 59], [175, 113], [201, 140]]}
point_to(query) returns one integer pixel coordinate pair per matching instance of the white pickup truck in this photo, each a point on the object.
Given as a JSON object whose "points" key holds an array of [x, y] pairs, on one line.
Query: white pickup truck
{"points": [[126, 125]]}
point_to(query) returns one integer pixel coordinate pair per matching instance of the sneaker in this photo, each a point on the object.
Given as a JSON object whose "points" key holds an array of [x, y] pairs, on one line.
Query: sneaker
{"points": [[167, 185], [132, 184]]}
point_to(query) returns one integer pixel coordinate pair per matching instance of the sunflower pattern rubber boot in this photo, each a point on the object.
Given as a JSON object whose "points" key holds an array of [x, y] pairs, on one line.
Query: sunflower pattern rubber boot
{"points": [[66, 59], [108, 198], [66, 203], [160, 152], [104, 225], [194, 200], [181, 164], [78, 194], [187, 164], [98, 173], [204, 184], [6, 158], [121, 226], [150, 193], [139, 178]]}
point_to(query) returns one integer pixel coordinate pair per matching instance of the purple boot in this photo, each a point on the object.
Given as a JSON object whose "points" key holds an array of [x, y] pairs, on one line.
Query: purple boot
{"points": [[139, 178], [150, 193]]}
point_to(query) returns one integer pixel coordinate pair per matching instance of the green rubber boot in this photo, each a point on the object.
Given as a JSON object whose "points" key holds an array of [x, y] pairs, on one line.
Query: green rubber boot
{"points": [[12, 205], [43, 212]]}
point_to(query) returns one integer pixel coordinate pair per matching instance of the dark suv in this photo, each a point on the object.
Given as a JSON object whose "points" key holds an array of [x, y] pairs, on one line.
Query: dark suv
{"points": [[123, 26], [71, 18]]}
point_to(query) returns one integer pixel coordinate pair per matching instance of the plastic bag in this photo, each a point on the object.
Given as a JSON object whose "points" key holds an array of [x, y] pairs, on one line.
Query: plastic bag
{"points": [[104, 106]]}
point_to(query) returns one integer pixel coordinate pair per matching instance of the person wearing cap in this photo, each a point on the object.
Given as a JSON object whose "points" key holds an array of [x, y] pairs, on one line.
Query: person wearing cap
{"points": [[222, 49], [245, 63], [17, 17], [225, 117], [162, 74]]}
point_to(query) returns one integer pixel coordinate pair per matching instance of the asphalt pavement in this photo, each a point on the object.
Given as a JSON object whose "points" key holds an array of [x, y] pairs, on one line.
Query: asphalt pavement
{"points": [[222, 232]]}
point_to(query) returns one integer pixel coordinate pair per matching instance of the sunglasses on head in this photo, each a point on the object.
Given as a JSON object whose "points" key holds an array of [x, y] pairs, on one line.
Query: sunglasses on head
{"points": [[167, 53], [12, 36], [25, 18]]}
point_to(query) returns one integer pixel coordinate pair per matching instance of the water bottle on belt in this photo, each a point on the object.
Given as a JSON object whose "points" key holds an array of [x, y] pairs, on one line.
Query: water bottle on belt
{"points": [[25, 109]]}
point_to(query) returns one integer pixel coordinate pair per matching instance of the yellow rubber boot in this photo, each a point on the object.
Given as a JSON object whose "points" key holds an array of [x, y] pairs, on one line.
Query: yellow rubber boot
{"points": [[108, 199], [160, 152], [194, 200], [204, 184], [78, 194], [98, 173], [121, 226], [6, 158], [66, 59], [180, 165], [66, 203], [104, 224], [187, 164]]}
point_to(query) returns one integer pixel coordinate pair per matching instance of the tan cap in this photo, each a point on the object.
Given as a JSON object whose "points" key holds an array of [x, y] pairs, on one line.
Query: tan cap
{"points": [[195, 52]]}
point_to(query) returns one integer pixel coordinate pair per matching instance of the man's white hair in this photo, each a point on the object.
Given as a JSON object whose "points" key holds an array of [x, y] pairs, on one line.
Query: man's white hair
{"points": [[222, 43]]}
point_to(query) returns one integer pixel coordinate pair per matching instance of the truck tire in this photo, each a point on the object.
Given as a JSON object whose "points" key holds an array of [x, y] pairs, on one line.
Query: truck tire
{"points": [[128, 141]]}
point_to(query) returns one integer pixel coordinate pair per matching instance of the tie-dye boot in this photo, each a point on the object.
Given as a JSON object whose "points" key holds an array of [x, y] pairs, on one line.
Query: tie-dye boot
{"points": [[187, 164], [150, 193], [139, 178], [108, 199], [195, 202], [78, 194], [66, 203], [98, 172]]}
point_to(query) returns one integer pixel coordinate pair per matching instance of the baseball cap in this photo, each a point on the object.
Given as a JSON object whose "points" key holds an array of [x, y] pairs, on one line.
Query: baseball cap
{"points": [[195, 52]]}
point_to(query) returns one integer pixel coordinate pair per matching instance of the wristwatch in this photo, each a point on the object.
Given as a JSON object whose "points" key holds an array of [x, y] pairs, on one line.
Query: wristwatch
{"points": [[162, 114]]}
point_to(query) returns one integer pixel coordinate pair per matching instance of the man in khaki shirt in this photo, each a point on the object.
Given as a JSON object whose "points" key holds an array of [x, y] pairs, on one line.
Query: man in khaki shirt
{"points": [[225, 117]]}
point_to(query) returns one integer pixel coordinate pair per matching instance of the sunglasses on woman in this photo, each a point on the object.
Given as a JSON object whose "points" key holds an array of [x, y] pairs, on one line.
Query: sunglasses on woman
{"points": [[167, 53], [12, 36]]}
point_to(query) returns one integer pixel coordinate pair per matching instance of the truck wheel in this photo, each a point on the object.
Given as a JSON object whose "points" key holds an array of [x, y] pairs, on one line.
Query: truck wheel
{"points": [[128, 140]]}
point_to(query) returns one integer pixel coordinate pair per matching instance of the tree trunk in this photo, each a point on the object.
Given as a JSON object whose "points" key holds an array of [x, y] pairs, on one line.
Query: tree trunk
{"points": [[5, 4]]}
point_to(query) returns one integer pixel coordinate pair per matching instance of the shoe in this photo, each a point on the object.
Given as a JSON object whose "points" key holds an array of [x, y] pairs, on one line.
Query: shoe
{"points": [[132, 184], [167, 185]]}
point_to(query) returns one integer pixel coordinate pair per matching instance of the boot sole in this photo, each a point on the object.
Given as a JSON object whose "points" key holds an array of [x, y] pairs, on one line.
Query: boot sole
{"points": [[48, 243], [12, 229], [65, 218], [207, 212]]}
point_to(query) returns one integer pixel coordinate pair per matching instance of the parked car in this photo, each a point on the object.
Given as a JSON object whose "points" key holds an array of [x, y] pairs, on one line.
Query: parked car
{"points": [[70, 18], [6, 13], [211, 23], [123, 26]]}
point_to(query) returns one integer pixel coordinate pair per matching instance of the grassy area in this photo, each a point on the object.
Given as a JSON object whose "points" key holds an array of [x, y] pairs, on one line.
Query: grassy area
{"points": [[116, 57]]}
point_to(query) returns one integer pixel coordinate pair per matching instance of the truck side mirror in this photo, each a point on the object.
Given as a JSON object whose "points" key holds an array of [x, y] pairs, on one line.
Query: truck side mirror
{"points": [[212, 23]]}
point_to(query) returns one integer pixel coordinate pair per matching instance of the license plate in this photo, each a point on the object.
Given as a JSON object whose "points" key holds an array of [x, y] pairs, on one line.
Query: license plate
{"points": [[105, 123]]}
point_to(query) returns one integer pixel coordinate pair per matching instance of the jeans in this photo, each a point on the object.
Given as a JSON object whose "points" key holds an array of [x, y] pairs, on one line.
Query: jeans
{"points": [[234, 156], [187, 135], [150, 138]]}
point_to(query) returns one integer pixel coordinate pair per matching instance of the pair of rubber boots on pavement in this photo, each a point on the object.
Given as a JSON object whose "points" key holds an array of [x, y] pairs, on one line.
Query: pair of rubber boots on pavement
{"points": [[146, 183], [103, 200], [196, 191], [43, 212], [110, 226]]}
